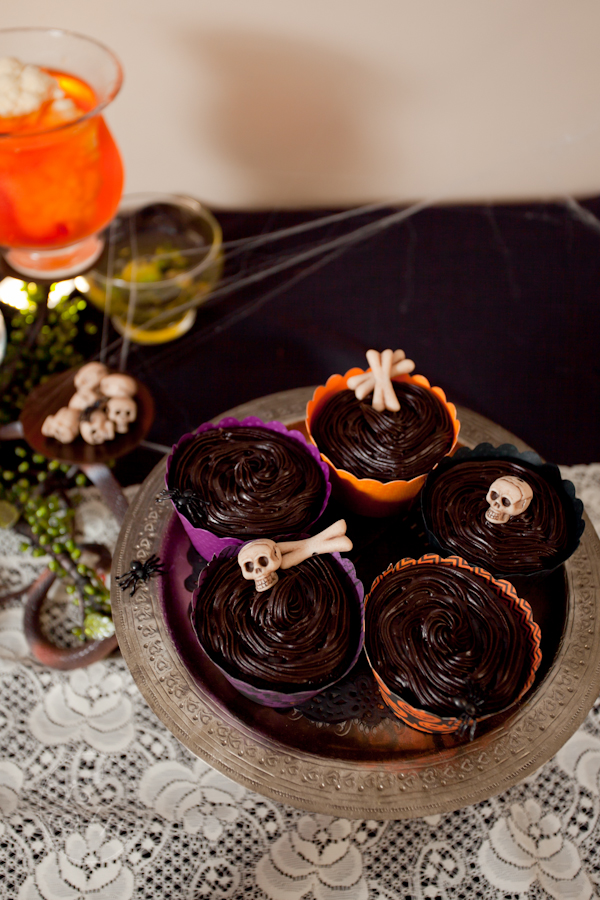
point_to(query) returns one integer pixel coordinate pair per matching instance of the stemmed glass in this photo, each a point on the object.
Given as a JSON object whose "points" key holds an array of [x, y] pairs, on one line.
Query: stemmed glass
{"points": [[61, 175]]}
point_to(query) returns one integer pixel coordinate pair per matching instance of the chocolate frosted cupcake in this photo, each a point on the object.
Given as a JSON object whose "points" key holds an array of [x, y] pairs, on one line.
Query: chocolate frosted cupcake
{"points": [[239, 480], [387, 446], [380, 453], [280, 645], [448, 644], [504, 510]]}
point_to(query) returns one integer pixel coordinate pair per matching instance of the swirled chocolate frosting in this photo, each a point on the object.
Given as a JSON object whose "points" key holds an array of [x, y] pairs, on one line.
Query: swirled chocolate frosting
{"points": [[304, 631], [247, 481], [384, 445], [444, 641], [455, 510]]}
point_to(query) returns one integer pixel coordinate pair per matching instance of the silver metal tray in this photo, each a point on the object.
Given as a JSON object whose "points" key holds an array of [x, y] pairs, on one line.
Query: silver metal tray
{"points": [[354, 768]]}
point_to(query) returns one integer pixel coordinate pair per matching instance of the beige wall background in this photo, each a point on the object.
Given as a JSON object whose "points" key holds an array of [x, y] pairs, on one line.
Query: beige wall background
{"points": [[249, 103]]}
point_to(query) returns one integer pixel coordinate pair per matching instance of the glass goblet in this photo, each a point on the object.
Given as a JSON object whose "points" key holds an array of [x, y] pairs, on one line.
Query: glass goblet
{"points": [[163, 258], [61, 175]]}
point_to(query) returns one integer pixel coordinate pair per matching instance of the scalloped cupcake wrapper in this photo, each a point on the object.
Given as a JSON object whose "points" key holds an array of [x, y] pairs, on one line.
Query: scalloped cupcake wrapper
{"points": [[529, 458], [203, 540], [273, 698], [429, 722], [368, 496]]}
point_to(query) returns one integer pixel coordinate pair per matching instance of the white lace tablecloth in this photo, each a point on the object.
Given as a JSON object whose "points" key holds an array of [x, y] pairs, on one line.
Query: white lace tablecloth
{"points": [[99, 801]]}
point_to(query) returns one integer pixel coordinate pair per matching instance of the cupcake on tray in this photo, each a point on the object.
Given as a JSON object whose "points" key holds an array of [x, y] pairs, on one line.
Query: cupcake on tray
{"points": [[282, 621], [449, 645], [507, 511], [239, 480], [381, 432]]}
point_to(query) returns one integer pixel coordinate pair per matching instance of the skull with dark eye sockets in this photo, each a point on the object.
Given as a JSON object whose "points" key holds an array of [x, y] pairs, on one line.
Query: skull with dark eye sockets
{"points": [[507, 497], [259, 561]]}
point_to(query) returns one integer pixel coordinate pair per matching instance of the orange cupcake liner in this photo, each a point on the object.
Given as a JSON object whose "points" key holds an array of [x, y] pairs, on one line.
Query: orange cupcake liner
{"points": [[367, 496], [430, 722]]}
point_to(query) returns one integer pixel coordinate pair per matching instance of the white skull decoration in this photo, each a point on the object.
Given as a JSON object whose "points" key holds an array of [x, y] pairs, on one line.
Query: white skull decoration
{"points": [[259, 561], [118, 385], [63, 426], [83, 398], [121, 411], [97, 429], [508, 496], [89, 376]]}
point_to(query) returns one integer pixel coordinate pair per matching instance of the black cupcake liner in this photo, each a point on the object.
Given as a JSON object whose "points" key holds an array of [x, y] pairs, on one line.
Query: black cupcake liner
{"points": [[565, 490]]}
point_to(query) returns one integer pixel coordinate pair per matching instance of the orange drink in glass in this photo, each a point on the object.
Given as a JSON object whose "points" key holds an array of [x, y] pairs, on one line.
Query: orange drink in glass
{"points": [[61, 175]]}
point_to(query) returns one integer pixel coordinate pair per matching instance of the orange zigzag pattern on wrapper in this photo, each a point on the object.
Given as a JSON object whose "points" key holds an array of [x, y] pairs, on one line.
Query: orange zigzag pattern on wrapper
{"points": [[430, 722]]}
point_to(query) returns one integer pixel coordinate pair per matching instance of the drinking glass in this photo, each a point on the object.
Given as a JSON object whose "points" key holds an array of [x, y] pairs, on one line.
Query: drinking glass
{"points": [[163, 257], [61, 175]]}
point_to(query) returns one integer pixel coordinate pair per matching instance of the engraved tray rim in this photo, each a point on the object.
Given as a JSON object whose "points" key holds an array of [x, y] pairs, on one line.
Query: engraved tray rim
{"points": [[409, 788]]}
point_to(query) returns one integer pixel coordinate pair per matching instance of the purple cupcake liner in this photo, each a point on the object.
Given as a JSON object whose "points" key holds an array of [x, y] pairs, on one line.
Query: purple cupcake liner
{"points": [[204, 541], [273, 698]]}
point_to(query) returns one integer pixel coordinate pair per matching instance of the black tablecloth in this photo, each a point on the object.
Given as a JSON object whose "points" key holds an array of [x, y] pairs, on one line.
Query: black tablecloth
{"points": [[499, 305]]}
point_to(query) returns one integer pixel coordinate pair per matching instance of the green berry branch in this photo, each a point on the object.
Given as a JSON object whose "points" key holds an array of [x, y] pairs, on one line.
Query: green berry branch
{"points": [[38, 496]]}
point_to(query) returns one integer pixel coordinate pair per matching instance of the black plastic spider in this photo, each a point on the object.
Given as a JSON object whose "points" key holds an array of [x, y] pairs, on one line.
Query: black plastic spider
{"points": [[187, 502], [140, 572], [470, 707]]}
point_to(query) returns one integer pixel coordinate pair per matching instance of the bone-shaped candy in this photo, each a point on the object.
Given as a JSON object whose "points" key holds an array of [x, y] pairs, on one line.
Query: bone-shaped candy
{"points": [[330, 540], [384, 366], [260, 559]]}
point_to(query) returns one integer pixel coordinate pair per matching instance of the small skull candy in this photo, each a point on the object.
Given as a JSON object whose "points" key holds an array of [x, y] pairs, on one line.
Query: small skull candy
{"points": [[97, 429], [63, 426], [507, 497], [118, 386], [83, 399], [259, 561], [121, 411], [89, 376]]}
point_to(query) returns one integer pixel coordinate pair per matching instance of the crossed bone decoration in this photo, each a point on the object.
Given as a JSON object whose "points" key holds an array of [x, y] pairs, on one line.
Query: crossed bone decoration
{"points": [[260, 559], [379, 379]]}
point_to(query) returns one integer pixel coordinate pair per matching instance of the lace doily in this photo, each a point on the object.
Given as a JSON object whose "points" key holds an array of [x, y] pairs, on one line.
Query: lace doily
{"points": [[99, 802]]}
